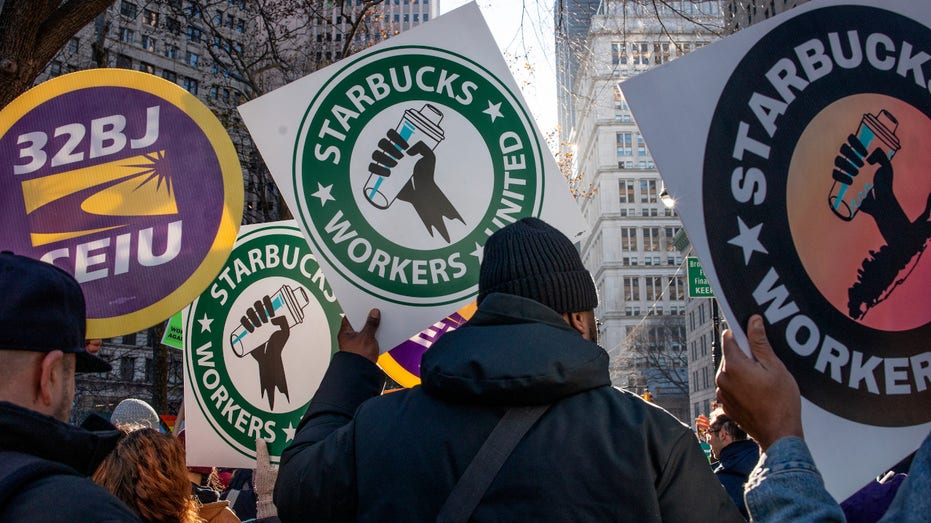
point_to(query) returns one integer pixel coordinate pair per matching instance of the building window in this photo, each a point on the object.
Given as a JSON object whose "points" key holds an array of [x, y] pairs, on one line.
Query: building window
{"points": [[629, 239], [683, 48], [631, 288], [677, 288], [149, 43], [240, 25], [124, 62], [704, 347], [651, 240], [54, 68], [150, 18], [640, 52], [193, 59], [641, 146], [193, 10], [127, 368], [190, 85], [626, 191], [660, 52], [146, 68], [128, 9], [170, 76], [625, 144], [648, 192], [618, 53], [74, 44], [127, 35], [172, 51], [194, 33], [654, 288], [670, 233]]}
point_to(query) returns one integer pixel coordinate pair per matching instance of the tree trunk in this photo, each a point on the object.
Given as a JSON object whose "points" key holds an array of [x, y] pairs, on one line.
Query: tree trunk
{"points": [[32, 32]]}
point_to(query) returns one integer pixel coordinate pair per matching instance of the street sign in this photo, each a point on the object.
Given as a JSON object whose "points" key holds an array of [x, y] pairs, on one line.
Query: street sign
{"points": [[698, 282]]}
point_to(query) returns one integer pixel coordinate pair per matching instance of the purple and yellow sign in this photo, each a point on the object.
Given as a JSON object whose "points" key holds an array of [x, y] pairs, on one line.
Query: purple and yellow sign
{"points": [[126, 181], [402, 363]]}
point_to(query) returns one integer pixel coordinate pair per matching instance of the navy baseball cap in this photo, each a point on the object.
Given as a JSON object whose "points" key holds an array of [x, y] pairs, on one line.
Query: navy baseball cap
{"points": [[42, 309]]}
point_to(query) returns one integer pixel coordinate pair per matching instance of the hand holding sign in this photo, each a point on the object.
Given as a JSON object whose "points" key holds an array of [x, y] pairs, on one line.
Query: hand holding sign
{"points": [[759, 393], [363, 342]]}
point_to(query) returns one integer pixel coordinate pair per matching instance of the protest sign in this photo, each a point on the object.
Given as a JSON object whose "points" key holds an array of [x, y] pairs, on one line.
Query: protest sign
{"points": [[402, 363], [126, 181], [257, 343], [811, 132], [174, 331], [401, 160]]}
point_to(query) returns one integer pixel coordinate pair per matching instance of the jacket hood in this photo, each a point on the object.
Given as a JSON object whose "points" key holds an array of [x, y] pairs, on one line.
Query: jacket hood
{"points": [[513, 351], [30, 432], [739, 457]]}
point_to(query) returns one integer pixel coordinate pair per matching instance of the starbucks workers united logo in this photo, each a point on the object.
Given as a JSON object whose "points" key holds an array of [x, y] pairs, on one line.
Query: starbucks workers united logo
{"points": [[406, 162], [259, 339]]}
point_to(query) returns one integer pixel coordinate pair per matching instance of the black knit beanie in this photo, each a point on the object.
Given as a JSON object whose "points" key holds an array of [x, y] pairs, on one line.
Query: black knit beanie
{"points": [[532, 259]]}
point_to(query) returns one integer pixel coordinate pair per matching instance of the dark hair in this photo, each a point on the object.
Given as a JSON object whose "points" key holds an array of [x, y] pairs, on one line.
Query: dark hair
{"points": [[729, 426]]}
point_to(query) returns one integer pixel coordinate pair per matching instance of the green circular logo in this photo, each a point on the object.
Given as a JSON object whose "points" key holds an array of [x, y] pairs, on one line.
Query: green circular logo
{"points": [[406, 162], [259, 339]]}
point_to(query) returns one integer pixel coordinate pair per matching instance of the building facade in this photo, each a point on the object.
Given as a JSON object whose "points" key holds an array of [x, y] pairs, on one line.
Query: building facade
{"points": [[744, 13], [638, 270]]}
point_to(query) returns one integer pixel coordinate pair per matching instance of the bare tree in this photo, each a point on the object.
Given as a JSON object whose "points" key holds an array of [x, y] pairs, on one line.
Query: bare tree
{"points": [[32, 32], [658, 343]]}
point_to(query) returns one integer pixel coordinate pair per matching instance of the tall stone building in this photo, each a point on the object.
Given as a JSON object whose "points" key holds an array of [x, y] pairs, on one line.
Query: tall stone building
{"points": [[638, 270], [334, 21], [744, 13], [225, 52]]}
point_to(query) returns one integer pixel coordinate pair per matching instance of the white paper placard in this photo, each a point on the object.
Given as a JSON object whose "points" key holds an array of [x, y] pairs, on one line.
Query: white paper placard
{"points": [[400, 224], [753, 136]]}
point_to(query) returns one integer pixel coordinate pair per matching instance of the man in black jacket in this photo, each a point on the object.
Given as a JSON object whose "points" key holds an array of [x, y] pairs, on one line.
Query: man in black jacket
{"points": [[44, 461], [597, 454], [736, 454]]}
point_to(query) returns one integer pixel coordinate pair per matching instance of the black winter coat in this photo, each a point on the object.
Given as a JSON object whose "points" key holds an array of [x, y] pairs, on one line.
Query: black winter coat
{"points": [[68, 495], [598, 454]]}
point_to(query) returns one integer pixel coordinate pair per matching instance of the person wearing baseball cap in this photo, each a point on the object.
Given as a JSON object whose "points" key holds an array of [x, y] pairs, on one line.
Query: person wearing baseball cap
{"points": [[515, 420], [45, 463]]}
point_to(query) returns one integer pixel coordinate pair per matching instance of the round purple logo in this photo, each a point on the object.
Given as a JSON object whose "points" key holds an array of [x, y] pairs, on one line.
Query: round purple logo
{"points": [[126, 181]]}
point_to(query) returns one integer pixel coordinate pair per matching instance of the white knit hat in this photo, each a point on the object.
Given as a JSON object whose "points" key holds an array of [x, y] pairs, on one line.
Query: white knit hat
{"points": [[135, 413]]}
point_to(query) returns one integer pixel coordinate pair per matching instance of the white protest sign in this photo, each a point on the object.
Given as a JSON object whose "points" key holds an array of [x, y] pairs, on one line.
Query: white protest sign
{"points": [[257, 343], [798, 152], [401, 160]]}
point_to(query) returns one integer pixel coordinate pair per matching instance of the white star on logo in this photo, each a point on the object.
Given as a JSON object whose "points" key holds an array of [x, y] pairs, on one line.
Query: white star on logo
{"points": [[748, 240], [205, 323], [289, 432], [479, 252], [494, 111], [324, 194]]}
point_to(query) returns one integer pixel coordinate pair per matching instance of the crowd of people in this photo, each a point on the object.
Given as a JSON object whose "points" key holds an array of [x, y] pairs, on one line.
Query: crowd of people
{"points": [[516, 420]]}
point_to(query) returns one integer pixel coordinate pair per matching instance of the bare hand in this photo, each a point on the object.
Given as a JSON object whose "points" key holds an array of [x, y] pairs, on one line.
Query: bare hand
{"points": [[759, 393], [363, 342]]}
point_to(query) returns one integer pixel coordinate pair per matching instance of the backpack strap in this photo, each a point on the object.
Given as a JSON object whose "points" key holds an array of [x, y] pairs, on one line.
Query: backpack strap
{"points": [[478, 476], [18, 469]]}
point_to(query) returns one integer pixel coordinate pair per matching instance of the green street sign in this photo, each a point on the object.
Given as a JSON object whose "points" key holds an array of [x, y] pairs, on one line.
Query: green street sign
{"points": [[698, 282]]}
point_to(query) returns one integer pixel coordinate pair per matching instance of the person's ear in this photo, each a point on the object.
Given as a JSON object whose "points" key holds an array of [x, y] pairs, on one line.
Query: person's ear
{"points": [[50, 378], [580, 321]]}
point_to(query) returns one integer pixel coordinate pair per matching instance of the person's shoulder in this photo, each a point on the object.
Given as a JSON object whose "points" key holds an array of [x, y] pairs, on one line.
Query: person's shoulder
{"points": [[63, 497]]}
